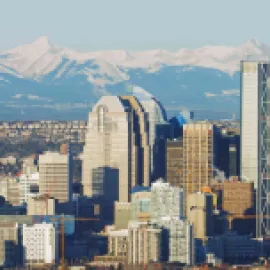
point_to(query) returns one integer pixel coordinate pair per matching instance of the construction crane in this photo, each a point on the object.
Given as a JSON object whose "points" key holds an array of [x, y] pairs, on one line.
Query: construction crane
{"points": [[62, 235]]}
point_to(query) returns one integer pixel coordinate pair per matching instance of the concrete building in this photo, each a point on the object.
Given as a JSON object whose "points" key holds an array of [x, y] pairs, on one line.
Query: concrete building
{"points": [[55, 174], [41, 205], [144, 243], [40, 243], [122, 215], [29, 165], [200, 214], [198, 149], [116, 154], [175, 162], [255, 114], [29, 186], [10, 249], [118, 243], [10, 190], [166, 201]]}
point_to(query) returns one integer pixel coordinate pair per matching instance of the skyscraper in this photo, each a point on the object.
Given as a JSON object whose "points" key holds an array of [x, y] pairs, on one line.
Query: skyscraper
{"points": [[116, 153], [255, 156], [159, 131], [198, 155]]}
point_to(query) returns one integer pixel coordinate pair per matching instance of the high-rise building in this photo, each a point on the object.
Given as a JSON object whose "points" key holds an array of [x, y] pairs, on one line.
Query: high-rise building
{"points": [[40, 243], [10, 249], [122, 214], [200, 214], [10, 190], [198, 151], [118, 242], [159, 131], [116, 154], [144, 243], [255, 155], [166, 201], [29, 186], [55, 175], [174, 157]]}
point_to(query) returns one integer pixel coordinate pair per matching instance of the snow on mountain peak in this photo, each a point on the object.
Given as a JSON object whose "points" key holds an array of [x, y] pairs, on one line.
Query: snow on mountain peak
{"points": [[40, 57]]}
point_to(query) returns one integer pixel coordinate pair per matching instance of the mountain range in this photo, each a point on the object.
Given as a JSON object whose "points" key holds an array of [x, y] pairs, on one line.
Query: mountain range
{"points": [[44, 81]]}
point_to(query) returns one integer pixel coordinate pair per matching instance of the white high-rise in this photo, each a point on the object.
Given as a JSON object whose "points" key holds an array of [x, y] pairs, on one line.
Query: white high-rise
{"points": [[255, 134], [40, 243]]}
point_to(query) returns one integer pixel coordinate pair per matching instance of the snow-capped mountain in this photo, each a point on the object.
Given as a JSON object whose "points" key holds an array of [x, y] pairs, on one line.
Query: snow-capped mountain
{"points": [[206, 77]]}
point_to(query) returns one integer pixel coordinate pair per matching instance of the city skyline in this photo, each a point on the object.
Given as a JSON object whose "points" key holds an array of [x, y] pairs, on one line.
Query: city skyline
{"points": [[133, 25]]}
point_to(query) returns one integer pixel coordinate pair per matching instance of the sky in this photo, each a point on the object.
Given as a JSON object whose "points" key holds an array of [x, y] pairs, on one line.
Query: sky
{"points": [[90, 25]]}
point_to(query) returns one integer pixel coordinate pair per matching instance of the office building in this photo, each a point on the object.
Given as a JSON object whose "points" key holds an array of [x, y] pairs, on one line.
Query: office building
{"points": [[255, 165], [159, 131], [10, 249], [141, 204], [198, 150], [144, 243], [122, 215], [238, 198], [200, 214], [29, 186], [116, 154], [41, 205], [29, 165], [175, 162], [10, 190], [178, 240], [55, 175], [40, 244], [166, 201]]}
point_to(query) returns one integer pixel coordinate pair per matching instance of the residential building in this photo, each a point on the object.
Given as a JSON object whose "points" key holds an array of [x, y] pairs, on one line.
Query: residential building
{"points": [[116, 154], [40, 243], [255, 85], [200, 214], [166, 201], [10, 249], [144, 243], [55, 175]]}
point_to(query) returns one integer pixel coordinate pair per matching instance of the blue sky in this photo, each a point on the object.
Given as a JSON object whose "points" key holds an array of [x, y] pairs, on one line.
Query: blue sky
{"points": [[134, 24]]}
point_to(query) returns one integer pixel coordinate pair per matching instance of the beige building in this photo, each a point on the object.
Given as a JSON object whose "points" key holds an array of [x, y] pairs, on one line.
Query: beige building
{"points": [[198, 151], [10, 190], [122, 214], [9, 244], [200, 214], [144, 243], [116, 154], [41, 205], [55, 176], [118, 241]]}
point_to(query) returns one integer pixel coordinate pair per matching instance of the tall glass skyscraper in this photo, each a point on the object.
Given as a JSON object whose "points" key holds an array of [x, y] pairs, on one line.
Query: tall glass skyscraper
{"points": [[255, 136]]}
